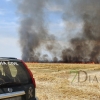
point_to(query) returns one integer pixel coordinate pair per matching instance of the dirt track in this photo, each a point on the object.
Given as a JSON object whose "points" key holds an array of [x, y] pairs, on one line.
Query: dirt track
{"points": [[54, 81]]}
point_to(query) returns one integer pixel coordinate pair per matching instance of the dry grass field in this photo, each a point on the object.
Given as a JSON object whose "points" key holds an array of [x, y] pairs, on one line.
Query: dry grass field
{"points": [[54, 81]]}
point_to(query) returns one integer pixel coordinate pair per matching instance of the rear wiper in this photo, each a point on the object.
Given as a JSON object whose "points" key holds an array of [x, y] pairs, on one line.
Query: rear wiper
{"points": [[10, 84]]}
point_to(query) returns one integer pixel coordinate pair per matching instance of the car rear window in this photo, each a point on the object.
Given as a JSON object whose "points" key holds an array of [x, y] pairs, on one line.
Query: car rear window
{"points": [[11, 71]]}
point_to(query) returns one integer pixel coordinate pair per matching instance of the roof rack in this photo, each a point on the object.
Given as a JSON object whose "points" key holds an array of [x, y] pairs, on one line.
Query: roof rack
{"points": [[7, 58]]}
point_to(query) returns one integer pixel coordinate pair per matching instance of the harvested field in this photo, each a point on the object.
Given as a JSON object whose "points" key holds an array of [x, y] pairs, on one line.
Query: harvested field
{"points": [[58, 81]]}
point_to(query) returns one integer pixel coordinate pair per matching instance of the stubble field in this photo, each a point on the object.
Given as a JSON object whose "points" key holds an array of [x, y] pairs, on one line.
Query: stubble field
{"points": [[58, 81]]}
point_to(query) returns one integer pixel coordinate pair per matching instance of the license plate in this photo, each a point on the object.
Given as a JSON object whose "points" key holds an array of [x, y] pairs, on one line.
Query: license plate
{"points": [[14, 98]]}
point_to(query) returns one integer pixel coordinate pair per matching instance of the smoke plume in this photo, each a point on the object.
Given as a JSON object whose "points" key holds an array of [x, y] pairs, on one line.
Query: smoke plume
{"points": [[86, 46], [36, 40]]}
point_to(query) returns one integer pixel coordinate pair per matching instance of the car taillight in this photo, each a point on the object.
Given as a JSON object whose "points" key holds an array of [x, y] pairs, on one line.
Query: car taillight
{"points": [[33, 80]]}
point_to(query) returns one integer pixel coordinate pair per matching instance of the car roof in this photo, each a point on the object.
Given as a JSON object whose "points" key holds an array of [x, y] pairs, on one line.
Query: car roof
{"points": [[8, 59]]}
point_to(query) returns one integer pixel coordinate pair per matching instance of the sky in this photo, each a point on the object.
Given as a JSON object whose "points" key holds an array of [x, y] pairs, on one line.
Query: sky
{"points": [[9, 44]]}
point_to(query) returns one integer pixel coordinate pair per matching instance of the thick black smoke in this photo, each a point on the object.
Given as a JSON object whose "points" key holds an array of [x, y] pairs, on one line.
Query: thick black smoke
{"points": [[33, 30], [35, 37], [85, 47]]}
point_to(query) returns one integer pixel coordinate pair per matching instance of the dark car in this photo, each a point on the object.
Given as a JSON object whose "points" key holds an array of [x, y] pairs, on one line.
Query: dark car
{"points": [[16, 80]]}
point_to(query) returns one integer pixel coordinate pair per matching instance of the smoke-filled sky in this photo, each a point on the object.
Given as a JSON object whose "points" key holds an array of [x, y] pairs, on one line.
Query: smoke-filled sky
{"points": [[9, 23], [53, 30]]}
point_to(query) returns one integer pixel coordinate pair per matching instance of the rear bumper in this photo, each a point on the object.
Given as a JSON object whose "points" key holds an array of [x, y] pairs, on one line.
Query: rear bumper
{"points": [[36, 98], [13, 94]]}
